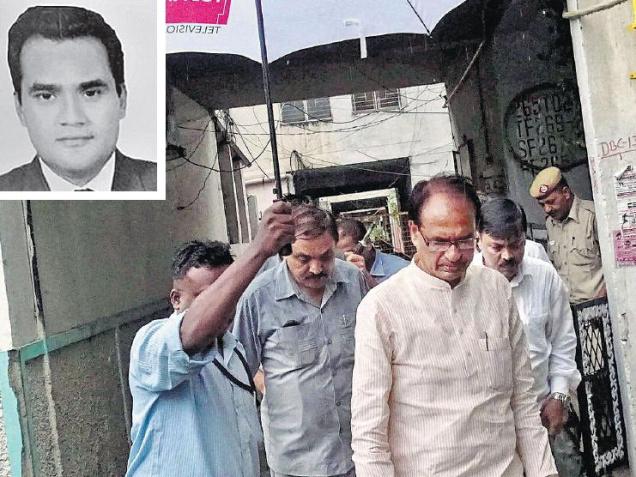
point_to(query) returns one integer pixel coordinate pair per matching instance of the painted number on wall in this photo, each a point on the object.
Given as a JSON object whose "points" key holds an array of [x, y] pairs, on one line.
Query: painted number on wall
{"points": [[544, 127]]}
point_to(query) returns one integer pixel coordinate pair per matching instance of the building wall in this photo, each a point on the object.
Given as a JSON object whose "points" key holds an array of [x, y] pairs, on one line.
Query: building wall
{"points": [[592, 57], [5, 343], [80, 279], [5, 470], [5, 323], [97, 259], [520, 61], [530, 47], [421, 131], [605, 54]]}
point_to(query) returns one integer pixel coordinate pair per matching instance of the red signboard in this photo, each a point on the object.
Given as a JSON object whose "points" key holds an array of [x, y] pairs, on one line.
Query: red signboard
{"points": [[211, 12]]}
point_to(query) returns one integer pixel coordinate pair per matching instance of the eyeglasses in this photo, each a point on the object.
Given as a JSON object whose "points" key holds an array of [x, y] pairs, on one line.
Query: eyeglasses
{"points": [[444, 245]]}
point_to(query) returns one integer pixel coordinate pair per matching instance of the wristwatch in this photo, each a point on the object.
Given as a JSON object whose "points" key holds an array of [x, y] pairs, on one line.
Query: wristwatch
{"points": [[563, 398]]}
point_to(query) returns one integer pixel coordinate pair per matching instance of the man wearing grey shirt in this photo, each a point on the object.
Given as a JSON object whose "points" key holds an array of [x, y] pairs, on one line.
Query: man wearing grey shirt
{"points": [[298, 321]]}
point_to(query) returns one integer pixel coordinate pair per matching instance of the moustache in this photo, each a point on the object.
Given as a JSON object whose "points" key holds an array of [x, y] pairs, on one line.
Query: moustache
{"points": [[313, 276]]}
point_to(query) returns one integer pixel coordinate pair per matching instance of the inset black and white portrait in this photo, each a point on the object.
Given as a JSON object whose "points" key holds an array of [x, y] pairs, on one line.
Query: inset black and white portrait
{"points": [[82, 115]]}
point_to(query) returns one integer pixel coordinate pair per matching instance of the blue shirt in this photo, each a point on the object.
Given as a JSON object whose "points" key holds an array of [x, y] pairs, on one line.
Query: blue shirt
{"points": [[307, 355], [386, 265], [188, 418]]}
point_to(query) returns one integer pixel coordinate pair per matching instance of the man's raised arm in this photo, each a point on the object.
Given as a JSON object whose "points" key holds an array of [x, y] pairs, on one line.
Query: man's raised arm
{"points": [[208, 315]]}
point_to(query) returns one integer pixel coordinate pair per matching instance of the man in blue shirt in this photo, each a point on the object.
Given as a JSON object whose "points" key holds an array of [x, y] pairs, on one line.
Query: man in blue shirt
{"points": [[193, 397], [378, 264]]}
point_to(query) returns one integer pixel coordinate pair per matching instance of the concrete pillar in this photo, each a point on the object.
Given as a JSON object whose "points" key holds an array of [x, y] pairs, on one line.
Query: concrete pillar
{"points": [[252, 210], [605, 55], [229, 193]]}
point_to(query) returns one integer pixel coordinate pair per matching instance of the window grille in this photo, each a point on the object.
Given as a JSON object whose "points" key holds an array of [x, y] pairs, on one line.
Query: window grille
{"points": [[307, 110], [376, 100]]}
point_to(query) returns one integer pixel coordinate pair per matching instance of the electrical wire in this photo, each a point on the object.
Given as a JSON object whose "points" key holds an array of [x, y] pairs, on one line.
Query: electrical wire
{"points": [[254, 159], [335, 151], [356, 167], [188, 159], [428, 32], [402, 110], [322, 120], [465, 74], [189, 204], [236, 131], [177, 166], [475, 56], [205, 130], [352, 128], [252, 156], [427, 87]]}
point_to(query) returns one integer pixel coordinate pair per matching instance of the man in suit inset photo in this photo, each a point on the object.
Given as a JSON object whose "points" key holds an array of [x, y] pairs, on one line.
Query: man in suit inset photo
{"points": [[67, 68]]}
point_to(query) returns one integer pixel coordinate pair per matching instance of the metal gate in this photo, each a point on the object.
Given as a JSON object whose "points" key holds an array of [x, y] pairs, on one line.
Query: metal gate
{"points": [[602, 425]]}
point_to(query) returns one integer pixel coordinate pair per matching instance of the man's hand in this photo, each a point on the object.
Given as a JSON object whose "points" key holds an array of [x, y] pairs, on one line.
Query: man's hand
{"points": [[367, 252], [208, 314], [259, 381], [602, 293], [360, 262], [357, 260], [553, 415], [276, 229]]}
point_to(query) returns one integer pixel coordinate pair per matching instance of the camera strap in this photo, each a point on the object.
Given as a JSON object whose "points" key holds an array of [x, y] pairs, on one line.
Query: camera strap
{"points": [[250, 388]]}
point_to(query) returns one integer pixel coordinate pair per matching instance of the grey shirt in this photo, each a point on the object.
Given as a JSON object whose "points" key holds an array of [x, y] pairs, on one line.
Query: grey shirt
{"points": [[308, 366]]}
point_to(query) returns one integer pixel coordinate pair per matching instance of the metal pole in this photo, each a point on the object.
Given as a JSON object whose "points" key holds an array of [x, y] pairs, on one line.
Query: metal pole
{"points": [[268, 98]]}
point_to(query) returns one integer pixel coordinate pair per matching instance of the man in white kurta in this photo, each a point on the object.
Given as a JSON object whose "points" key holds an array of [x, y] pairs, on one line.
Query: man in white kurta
{"points": [[442, 380]]}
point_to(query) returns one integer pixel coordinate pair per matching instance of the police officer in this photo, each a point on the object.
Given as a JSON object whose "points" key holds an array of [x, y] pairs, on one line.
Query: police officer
{"points": [[572, 235]]}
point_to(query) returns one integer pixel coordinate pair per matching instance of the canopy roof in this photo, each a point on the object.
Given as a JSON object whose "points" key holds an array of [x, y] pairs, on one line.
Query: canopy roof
{"points": [[229, 26]]}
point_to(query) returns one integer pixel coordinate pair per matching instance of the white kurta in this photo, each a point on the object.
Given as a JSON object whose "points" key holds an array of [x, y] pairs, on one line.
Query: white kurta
{"points": [[442, 383], [544, 307]]}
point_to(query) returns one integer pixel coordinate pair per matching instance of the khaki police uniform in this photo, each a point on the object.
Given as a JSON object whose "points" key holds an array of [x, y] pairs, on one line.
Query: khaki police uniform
{"points": [[574, 250], [572, 243]]}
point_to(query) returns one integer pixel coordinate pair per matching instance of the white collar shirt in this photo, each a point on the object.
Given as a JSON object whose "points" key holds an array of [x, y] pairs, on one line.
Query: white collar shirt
{"points": [[536, 250], [543, 303], [102, 182]]}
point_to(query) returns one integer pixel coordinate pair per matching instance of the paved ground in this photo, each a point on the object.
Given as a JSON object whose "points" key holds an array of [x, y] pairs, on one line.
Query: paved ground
{"points": [[621, 472]]}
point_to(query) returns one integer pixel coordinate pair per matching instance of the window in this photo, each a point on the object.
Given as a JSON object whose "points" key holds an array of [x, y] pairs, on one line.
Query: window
{"points": [[293, 112], [318, 108], [307, 110], [376, 100]]}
